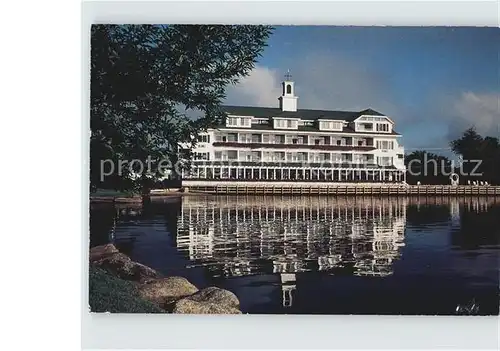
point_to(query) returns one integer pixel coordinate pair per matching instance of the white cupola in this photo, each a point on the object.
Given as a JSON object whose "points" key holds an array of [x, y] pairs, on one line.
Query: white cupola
{"points": [[288, 100]]}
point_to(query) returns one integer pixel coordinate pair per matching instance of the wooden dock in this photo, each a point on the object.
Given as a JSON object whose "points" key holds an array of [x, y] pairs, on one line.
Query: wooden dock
{"points": [[343, 190]]}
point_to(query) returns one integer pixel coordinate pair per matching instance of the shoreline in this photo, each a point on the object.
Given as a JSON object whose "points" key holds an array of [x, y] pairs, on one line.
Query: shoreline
{"points": [[373, 191], [119, 285], [139, 199]]}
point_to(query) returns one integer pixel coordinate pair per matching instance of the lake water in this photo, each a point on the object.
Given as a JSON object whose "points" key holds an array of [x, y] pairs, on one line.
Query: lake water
{"points": [[320, 255]]}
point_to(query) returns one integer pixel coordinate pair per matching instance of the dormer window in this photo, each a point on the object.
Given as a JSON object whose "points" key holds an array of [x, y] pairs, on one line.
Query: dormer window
{"points": [[382, 127], [330, 125], [280, 123], [239, 122]]}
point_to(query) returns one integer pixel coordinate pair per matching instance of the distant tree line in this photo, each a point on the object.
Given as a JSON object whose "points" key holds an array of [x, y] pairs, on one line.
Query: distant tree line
{"points": [[479, 160]]}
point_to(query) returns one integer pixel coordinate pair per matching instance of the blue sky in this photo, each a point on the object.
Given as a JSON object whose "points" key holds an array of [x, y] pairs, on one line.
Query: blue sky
{"points": [[433, 81]]}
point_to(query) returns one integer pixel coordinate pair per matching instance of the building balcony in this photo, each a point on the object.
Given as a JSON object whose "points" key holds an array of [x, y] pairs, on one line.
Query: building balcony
{"points": [[284, 164], [294, 146]]}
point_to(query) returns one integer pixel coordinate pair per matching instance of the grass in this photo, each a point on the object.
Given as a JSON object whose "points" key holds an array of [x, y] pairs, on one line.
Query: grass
{"points": [[110, 294]]}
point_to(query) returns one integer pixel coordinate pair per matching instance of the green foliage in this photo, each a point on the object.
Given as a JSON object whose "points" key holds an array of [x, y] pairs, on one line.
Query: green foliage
{"points": [[481, 161], [472, 146], [110, 294], [148, 80], [428, 168]]}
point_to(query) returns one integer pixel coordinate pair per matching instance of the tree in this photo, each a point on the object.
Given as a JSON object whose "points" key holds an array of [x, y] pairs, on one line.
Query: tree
{"points": [[469, 145], [428, 168], [481, 156], [147, 80]]}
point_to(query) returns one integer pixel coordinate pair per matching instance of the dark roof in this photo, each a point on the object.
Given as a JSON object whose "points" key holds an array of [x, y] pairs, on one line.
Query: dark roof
{"points": [[300, 113], [370, 112]]}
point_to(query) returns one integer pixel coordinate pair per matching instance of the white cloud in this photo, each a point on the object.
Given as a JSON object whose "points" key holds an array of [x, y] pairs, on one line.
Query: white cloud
{"points": [[476, 110], [323, 81], [260, 88], [330, 81]]}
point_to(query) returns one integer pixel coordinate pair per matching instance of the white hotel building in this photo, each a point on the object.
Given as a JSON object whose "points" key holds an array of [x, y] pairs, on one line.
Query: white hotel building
{"points": [[290, 144]]}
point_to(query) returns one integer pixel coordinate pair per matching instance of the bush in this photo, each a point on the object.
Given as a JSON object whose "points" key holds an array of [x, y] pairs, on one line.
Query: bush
{"points": [[110, 294]]}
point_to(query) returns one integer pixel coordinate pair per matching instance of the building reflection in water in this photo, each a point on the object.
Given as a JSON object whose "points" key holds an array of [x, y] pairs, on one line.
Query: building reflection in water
{"points": [[239, 236]]}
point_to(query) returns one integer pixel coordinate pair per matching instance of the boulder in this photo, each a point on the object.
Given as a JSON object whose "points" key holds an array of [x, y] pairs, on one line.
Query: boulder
{"points": [[165, 291], [123, 267], [188, 306], [144, 274], [101, 251], [217, 296]]}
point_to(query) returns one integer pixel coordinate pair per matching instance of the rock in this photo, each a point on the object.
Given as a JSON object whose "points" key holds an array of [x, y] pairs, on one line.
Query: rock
{"points": [[98, 252], [165, 291], [211, 300], [117, 263], [123, 267], [144, 274], [188, 306], [217, 296]]}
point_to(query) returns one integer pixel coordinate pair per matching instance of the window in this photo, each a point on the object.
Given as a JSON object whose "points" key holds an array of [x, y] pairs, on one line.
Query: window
{"points": [[288, 89], [385, 144], [255, 156], [382, 127], [289, 123], [384, 161], [294, 141], [378, 119], [256, 138], [346, 157], [245, 156], [245, 138], [203, 138], [232, 154], [339, 142], [279, 139], [316, 141], [218, 155], [330, 125]]}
